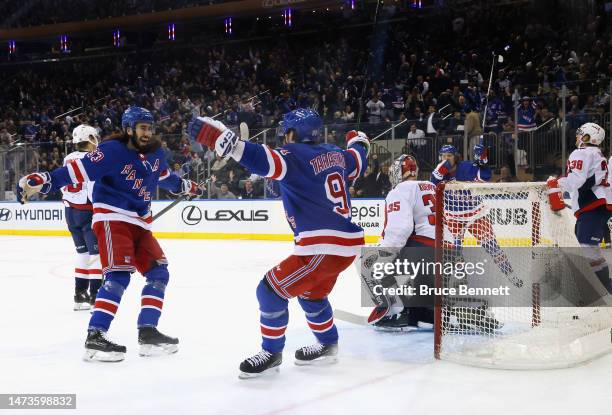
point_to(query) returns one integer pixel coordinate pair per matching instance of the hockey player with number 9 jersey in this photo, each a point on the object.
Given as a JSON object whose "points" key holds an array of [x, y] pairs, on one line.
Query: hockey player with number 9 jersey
{"points": [[313, 181], [591, 197]]}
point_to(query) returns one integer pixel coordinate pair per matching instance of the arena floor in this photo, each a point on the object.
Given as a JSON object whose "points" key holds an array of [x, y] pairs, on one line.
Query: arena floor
{"points": [[211, 306]]}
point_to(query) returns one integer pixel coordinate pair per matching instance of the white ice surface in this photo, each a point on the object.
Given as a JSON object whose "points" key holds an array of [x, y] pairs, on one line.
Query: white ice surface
{"points": [[211, 306]]}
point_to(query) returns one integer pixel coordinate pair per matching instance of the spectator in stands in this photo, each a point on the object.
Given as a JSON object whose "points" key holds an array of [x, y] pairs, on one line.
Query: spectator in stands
{"points": [[456, 123], [249, 191], [416, 138], [222, 192], [433, 122], [375, 108]]}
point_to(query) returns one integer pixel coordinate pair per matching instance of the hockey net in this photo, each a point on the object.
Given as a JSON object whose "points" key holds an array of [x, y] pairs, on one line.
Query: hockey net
{"points": [[555, 313]]}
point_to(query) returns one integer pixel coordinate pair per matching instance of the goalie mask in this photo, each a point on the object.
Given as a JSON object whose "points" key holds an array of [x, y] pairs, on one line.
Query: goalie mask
{"points": [[85, 133], [589, 133], [403, 168]]}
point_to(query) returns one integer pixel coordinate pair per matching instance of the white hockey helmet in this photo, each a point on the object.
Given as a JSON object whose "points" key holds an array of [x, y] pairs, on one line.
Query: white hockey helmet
{"points": [[595, 133], [403, 167], [85, 133]]}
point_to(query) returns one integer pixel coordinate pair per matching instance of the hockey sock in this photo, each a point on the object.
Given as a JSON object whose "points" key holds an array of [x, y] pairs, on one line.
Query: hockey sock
{"points": [[95, 275], [320, 318], [152, 299], [273, 319], [499, 256], [81, 272], [108, 299]]}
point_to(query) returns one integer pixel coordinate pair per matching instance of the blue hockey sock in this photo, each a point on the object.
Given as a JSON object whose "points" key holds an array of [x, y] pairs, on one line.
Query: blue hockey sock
{"points": [[152, 298], [320, 318], [273, 319], [109, 297]]}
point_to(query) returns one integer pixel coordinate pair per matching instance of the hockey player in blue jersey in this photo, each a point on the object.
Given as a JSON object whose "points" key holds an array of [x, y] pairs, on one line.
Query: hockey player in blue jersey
{"points": [[313, 181], [127, 169], [465, 212]]}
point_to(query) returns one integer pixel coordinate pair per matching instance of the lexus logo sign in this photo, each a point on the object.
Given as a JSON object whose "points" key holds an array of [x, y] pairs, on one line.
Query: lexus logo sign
{"points": [[5, 214], [192, 215]]}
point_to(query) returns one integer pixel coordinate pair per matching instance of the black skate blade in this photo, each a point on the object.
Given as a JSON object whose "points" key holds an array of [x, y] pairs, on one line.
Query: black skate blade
{"points": [[157, 349], [266, 373], [100, 356], [81, 306], [319, 361]]}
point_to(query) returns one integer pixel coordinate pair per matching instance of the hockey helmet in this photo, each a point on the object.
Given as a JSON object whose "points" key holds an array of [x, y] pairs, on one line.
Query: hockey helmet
{"points": [[305, 122], [403, 167], [135, 115], [595, 133], [85, 133]]}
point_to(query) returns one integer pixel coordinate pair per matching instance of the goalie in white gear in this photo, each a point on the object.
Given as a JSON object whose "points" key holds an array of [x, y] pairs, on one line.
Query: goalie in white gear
{"points": [[587, 183], [409, 223], [77, 199]]}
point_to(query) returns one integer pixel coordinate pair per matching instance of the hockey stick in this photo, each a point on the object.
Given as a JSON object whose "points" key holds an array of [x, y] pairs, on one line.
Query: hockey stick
{"points": [[350, 317], [389, 129], [500, 59]]}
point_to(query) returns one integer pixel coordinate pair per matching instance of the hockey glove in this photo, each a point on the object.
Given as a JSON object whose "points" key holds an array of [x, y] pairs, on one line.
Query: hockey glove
{"points": [[353, 137], [32, 184], [441, 170], [481, 155], [555, 196], [213, 134], [190, 189]]}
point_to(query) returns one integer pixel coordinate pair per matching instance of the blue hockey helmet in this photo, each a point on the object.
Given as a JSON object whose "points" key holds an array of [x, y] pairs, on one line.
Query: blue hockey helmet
{"points": [[135, 115], [448, 149], [305, 122]]}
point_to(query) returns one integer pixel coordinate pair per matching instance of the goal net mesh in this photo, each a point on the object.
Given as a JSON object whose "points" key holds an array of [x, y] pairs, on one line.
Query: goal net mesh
{"points": [[554, 311]]}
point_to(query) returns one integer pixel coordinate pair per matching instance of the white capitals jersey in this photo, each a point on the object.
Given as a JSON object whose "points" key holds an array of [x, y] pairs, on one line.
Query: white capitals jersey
{"points": [[77, 194], [587, 180], [410, 214]]}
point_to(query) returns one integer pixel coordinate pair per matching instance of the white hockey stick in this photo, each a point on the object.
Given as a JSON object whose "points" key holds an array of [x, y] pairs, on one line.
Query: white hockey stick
{"points": [[350, 317]]}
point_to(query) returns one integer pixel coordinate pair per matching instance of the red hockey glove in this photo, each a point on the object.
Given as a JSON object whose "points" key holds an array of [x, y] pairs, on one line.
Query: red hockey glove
{"points": [[191, 189], [555, 196], [353, 137], [213, 134]]}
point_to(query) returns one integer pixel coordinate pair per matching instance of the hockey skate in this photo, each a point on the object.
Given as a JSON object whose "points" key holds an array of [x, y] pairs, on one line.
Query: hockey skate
{"points": [[317, 354], [82, 301], [397, 322], [99, 348], [263, 363], [152, 342]]}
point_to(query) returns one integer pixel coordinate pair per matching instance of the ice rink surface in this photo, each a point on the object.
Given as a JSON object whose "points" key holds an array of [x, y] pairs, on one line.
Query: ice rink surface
{"points": [[211, 306]]}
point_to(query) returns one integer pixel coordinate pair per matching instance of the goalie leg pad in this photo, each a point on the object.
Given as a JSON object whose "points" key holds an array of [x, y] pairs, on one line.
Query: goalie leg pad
{"points": [[320, 319], [273, 319], [108, 299], [152, 298]]}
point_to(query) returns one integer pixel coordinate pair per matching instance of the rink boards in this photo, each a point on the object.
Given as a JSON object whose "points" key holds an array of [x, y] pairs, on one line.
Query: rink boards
{"points": [[201, 219]]}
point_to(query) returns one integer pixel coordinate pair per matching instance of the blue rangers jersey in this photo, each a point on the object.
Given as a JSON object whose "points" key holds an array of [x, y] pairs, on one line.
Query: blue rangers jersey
{"points": [[313, 182], [460, 204], [125, 181]]}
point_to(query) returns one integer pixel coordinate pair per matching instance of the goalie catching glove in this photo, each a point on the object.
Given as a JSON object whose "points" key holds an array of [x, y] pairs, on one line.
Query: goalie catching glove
{"points": [[213, 134], [555, 195], [32, 184]]}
